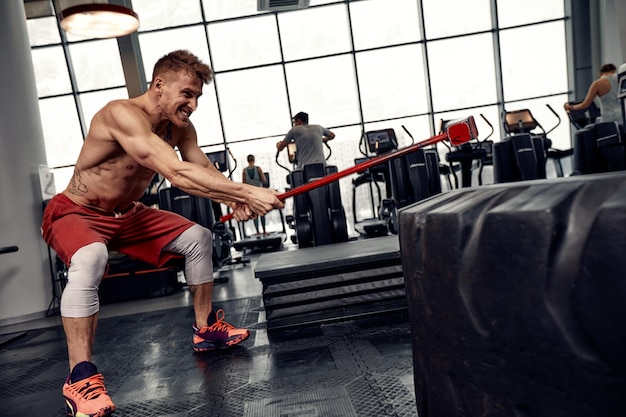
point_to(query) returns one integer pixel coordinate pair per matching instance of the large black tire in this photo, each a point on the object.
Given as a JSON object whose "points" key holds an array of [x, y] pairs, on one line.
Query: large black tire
{"points": [[517, 298]]}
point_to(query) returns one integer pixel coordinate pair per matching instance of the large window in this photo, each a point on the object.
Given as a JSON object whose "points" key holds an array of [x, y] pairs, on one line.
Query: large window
{"points": [[244, 43], [353, 66], [389, 90], [462, 72], [252, 102]]}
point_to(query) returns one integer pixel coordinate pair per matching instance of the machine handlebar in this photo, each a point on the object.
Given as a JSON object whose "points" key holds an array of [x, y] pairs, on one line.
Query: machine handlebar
{"points": [[8, 249]]}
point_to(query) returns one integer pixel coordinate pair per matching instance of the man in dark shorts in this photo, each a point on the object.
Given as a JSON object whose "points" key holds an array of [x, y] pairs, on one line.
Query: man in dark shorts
{"points": [[254, 175], [128, 141]]}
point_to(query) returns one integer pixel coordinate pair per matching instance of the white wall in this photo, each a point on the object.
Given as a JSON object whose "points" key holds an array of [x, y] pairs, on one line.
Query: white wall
{"points": [[613, 36], [25, 282]]}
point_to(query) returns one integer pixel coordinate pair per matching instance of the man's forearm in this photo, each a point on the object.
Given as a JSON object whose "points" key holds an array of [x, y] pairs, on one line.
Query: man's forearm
{"points": [[208, 183]]}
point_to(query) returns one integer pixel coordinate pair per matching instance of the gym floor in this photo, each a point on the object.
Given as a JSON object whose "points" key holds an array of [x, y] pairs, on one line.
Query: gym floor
{"points": [[143, 348]]}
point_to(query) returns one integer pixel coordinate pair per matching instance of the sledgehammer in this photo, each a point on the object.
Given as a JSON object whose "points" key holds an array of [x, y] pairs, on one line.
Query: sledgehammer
{"points": [[457, 132]]}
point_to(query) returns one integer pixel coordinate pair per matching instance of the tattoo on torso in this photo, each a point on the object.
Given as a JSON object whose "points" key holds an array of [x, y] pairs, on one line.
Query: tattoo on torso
{"points": [[76, 186]]}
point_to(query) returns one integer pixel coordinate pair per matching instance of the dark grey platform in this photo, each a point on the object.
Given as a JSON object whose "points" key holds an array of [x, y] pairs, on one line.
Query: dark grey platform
{"points": [[332, 282], [517, 298]]}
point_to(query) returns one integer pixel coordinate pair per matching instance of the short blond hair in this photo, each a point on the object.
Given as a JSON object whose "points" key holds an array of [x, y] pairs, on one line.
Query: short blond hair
{"points": [[182, 61]]}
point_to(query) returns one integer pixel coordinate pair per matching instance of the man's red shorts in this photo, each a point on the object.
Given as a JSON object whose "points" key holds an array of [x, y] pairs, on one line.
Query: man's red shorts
{"points": [[140, 232]]}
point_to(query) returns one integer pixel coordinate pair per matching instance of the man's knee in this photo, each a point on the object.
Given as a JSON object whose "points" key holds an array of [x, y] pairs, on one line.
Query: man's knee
{"points": [[90, 261], [202, 236], [87, 266], [194, 242]]}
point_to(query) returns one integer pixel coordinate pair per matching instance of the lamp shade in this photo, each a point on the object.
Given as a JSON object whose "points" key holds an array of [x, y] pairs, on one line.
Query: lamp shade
{"points": [[99, 20]]}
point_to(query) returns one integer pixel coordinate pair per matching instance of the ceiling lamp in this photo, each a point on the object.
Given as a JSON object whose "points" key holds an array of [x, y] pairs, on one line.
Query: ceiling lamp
{"points": [[99, 20]]}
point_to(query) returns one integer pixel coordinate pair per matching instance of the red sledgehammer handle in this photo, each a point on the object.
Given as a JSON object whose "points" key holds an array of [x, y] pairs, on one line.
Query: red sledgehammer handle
{"points": [[458, 132]]}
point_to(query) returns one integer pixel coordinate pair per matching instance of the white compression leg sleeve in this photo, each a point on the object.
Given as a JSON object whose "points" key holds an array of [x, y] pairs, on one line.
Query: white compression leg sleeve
{"points": [[87, 266], [196, 244]]}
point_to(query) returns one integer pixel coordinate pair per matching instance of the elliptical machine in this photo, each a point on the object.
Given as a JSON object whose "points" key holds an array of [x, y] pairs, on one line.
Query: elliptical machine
{"points": [[408, 179], [522, 155], [384, 212], [467, 155], [600, 146], [414, 176], [319, 217]]}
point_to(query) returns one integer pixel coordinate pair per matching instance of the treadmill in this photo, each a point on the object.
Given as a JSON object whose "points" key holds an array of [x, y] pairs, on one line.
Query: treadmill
{"points": [[261, 243]]}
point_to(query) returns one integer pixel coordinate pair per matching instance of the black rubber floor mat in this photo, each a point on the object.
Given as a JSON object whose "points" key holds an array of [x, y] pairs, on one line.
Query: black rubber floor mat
{"points": [[354, 368]]}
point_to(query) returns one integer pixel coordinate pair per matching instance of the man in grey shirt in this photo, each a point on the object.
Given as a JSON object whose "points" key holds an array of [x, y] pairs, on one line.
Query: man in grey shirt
{"points": [[309, 140]]}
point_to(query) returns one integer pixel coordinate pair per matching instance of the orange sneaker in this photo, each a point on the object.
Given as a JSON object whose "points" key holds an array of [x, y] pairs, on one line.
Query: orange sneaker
{"points": [[87, 397], [218, 334]]}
